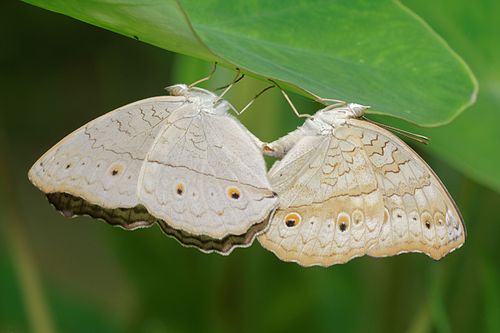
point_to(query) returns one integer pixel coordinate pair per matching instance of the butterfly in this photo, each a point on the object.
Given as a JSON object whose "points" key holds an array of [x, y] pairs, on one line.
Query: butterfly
{"points": [[181, 161], [349, 188]]}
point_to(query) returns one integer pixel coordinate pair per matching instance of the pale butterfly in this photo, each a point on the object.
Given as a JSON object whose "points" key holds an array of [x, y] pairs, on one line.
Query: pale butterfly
{"points": [[349, 188], [182, 161]]}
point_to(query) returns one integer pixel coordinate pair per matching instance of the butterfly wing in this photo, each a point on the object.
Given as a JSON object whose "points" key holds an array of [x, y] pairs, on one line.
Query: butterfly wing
{"points": [[206, 176], [419, 213], [95, 169], [358, 191]]}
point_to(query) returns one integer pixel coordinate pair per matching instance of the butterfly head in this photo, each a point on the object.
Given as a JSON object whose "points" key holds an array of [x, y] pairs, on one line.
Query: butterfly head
{"points": [[207, 100], [356, 110], [191, 92], [332, 113], [349, 110]]}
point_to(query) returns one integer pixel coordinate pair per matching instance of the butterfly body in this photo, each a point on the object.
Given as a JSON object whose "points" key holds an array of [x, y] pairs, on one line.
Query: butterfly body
{"points": [[349, 188]]}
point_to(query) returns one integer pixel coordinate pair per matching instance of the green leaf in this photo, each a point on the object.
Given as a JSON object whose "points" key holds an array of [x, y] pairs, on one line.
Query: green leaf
{"points": [[158, 22], [372, 52], [471, 142]]}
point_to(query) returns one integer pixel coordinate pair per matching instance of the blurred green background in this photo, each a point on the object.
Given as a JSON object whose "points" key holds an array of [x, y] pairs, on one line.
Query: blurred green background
{"points": [[81, 275]]}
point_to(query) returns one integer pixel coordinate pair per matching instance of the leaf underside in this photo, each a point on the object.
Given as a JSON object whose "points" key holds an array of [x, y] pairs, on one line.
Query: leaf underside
{"points": [[376, 53]]}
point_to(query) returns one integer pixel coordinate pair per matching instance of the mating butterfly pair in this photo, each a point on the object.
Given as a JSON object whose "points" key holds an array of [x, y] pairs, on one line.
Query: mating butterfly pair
{"points": [[342, 187]]}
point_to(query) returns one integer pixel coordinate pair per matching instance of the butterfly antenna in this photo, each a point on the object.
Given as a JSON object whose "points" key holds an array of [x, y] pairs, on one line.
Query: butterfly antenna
{"points": [[206, 78], [236, 79], [294, 109], [253, 99], [410, 135]]}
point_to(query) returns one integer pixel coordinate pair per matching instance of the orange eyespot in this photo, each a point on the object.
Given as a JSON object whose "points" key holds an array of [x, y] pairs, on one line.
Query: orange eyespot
{"points": [[426, 219], [343, 221], [233, 193], [116, 169], [292, 219], [179, 189]]}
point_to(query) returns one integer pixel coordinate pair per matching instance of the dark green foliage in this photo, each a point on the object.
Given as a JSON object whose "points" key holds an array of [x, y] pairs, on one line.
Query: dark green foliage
{"points": [[84, 276]]}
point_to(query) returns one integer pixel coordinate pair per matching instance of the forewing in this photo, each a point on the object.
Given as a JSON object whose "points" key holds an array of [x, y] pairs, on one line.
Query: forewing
{"points": [[100, 162], [206, 176]]}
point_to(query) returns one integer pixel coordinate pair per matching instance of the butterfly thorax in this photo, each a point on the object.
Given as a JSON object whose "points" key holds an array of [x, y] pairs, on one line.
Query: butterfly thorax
{"points": [[331, 117], [332, 113], [205, 101]]}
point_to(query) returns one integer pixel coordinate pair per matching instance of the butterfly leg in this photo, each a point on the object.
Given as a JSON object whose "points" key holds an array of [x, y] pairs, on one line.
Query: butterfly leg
{"points": [[253, 100], [337, 102], [206, 78], [287, 98], [236, 79]]}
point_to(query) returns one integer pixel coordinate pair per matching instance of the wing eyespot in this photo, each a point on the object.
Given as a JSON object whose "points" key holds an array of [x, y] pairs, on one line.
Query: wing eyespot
{"points": [[398, 215], [116, 169], [439, 218], [180, 189], [343, 222], [292, 219], [233, 193], [426, 219], [357, 217]]}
